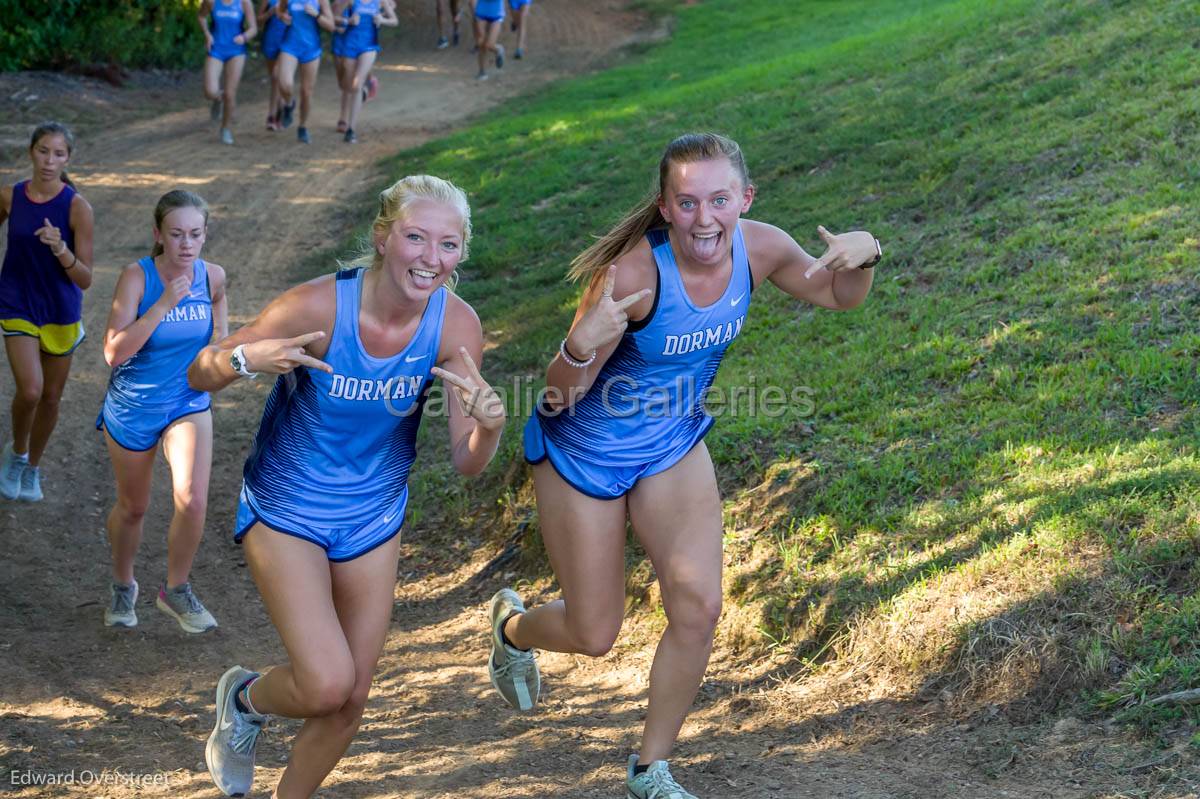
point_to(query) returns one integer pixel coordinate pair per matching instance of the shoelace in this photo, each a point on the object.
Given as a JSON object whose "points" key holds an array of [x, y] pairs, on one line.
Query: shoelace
{"points": [[27, 477], [192, 601], [124, 600], [245, 733], [516, 665], [16, 468], [665, 784]]}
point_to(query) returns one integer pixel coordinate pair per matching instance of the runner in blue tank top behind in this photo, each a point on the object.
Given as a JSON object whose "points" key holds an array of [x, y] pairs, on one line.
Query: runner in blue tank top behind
{"points": [[166, 308], [301, 50], [342, 10], [520, 23], [47, 266], [357, 52], [619, 435], [489, 21], [325, 487], [227, 25], [273, 30]]}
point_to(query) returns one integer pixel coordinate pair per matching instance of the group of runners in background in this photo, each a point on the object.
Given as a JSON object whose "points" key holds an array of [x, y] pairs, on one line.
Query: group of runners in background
{"points": [[292, 47], [356, 352]]}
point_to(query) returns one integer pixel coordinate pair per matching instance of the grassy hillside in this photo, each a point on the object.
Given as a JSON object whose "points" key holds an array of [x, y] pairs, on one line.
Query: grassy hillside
{"points": [[994, 488]]}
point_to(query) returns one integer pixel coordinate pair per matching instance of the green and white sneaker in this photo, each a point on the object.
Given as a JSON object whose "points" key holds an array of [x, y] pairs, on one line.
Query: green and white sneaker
{"points": [[514, 672], [655, 782], [181, 604], [229, 751], [122, 600]]}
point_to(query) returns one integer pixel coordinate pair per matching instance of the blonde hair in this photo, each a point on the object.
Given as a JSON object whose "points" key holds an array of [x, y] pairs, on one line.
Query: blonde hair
{"points": [[591, 264], [397, 200], [171, 201]]}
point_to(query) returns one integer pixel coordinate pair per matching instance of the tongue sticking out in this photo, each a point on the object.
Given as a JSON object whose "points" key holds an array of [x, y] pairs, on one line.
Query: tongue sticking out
{"points": [[706, 246]]}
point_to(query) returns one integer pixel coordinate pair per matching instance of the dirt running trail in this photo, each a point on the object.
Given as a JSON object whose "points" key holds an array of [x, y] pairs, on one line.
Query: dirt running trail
{"points": [[125, 713]]}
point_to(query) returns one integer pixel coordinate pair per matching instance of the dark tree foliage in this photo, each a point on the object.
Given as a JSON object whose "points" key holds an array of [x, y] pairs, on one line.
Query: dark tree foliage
{"points": [[61, 34]]}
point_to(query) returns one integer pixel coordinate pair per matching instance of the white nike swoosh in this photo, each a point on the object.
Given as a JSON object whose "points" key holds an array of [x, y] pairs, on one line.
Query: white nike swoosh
{"points": [[411, 358], [737, 299], [227, 723]]}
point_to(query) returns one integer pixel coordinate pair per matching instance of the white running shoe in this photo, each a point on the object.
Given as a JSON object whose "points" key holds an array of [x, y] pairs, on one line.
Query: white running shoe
{"points": [[11, 469], [31, 484]]}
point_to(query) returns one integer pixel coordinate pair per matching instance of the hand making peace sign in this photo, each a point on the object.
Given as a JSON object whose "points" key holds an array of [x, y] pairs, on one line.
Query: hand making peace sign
{"points": [[605, 321], [279, 355], [476, 398]]}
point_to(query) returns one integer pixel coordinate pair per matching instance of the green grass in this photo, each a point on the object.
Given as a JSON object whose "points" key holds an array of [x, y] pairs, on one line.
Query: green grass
{"points": [[1004, 435]]}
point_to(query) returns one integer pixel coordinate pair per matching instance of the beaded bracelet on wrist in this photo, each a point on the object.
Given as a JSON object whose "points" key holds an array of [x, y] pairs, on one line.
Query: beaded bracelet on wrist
{"points": [[570, 360]]}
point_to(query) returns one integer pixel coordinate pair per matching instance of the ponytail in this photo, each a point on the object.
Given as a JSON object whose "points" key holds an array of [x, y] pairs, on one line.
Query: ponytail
{"points": [[591, 264]]}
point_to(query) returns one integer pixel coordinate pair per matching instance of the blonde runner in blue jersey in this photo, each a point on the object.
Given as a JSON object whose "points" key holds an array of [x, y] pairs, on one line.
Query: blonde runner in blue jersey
{"points": [[326, 485], [352, 433]]}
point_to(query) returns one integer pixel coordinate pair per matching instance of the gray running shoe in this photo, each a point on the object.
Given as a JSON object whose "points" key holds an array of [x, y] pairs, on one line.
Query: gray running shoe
{"points": [[183, 606], [11, 469], [442, 43], [229, 752], [655, 782], [514, 672], [499, 56], [122, 600], [214, 111], [31, 484], [226, 136]]}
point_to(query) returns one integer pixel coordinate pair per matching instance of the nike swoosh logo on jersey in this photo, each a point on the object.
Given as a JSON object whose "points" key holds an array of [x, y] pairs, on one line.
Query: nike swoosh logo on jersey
{"points": [[412, 358], [737, 299]]}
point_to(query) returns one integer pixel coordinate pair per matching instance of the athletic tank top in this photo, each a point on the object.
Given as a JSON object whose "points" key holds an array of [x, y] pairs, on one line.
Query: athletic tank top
{"points": [[273, 30], [647, 399], [226, 22], [334, 450], [33, 284], [365, 34], [156, 375], [304, 33]]}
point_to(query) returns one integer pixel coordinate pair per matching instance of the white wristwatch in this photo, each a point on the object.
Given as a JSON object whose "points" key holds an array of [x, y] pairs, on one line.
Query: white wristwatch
{"points": [[237, 359]]}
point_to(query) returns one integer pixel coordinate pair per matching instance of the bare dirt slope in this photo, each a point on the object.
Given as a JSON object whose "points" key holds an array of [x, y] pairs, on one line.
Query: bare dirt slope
{"points": [[132, 708]]}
